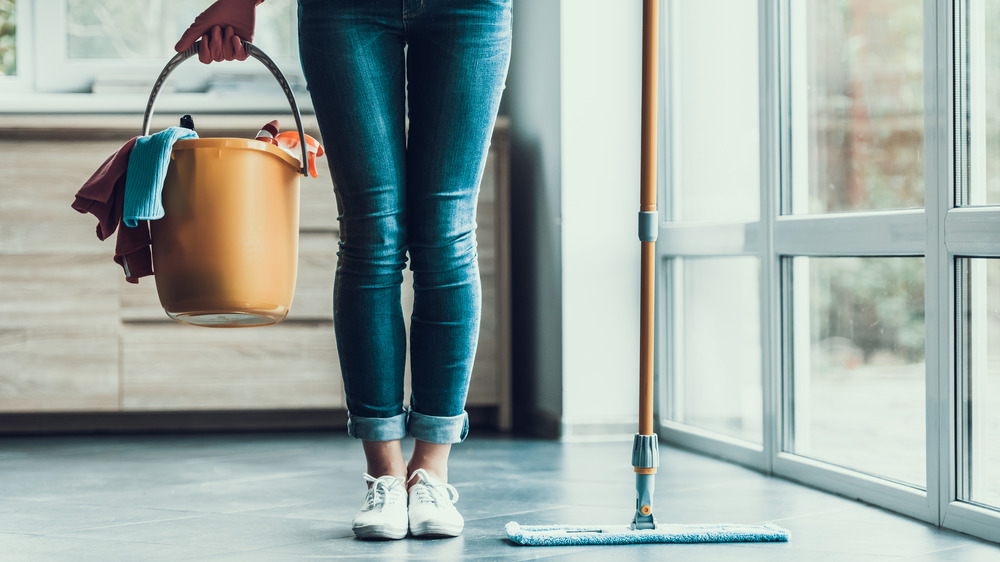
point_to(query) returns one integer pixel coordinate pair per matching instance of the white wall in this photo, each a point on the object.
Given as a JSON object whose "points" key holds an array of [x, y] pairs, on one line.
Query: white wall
{"points": [[532, 102], [573, 97], [601, 94]]}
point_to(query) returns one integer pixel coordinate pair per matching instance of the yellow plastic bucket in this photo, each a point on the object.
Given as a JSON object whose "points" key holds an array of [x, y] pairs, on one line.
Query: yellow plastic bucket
{"points": [[225, 253]]}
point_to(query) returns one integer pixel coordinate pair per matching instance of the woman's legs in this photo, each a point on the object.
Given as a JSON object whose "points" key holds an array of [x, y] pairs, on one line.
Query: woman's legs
{"points": [[353, 58], [457, 58], [396, 195]]}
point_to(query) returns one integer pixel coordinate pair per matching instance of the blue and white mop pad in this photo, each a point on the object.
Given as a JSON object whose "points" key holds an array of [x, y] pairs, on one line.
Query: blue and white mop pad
{"points": [[566, 535]]}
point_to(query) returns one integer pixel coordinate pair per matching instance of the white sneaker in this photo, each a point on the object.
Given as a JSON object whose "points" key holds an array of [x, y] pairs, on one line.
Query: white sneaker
{"points": [[384, 513], [432, 507]]}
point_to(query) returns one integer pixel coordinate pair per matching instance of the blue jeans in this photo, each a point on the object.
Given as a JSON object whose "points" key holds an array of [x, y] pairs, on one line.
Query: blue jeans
{"points": [[402, 190]]}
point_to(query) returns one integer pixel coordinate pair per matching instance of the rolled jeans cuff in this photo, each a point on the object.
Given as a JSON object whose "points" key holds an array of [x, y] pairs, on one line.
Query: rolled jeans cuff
{"points": [[377, 429], [438, 429]]}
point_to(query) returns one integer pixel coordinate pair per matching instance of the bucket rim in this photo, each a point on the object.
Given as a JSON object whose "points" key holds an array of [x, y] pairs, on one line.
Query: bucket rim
{"points": [[237, 143]]}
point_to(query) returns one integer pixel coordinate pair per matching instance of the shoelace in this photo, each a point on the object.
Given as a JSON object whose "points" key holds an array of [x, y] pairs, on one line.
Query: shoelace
{"points": [[430, 492], [379, 492]]}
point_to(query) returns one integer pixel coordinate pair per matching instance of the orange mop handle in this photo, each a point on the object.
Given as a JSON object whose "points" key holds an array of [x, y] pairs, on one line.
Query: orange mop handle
{"points": [[645, 452], [647, 211]]}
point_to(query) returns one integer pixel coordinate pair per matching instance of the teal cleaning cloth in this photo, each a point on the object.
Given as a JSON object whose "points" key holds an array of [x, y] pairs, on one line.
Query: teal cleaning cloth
{"points": [[147, 167], [554, 535]]}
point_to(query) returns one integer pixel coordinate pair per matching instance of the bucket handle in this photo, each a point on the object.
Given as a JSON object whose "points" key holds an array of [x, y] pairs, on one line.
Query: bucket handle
{"points": [[254, 52]]}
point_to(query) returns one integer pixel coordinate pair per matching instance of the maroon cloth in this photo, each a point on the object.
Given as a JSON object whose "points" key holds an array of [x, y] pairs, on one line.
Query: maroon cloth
{"points": [[103, 196]]}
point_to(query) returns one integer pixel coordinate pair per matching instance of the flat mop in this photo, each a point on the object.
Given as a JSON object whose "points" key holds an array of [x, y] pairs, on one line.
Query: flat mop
{"points": [[645, 451]]}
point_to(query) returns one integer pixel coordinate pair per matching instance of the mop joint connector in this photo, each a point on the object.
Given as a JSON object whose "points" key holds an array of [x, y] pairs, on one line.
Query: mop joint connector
{"points": [[645, 459], [645, 451], [649, 226]]}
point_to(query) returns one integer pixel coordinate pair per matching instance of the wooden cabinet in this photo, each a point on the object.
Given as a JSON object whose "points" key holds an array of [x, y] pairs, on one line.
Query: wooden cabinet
{"points": [[75, 337]]}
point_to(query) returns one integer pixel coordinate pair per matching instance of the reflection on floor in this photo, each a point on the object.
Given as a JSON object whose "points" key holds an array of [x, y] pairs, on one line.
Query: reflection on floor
{"points": [[251, 497]]}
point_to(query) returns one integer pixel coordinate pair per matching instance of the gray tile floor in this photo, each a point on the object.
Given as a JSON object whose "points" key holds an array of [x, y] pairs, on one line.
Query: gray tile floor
{"points": [[249, 497]]}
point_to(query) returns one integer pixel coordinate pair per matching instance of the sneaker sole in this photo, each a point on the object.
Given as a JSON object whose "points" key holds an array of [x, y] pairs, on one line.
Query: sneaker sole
{"points": [[379, 532], [436, 530]]}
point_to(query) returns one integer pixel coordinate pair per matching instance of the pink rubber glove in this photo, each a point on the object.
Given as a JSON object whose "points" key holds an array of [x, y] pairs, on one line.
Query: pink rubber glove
{"points": [[222, 29]]}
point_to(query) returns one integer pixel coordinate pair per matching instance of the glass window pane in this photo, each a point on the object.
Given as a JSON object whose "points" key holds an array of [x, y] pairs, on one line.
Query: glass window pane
{"points": [[858, 379], [719, 363], [8, 37], [983, 91], [981, 344], [126, 29], [715, 115], [857, 103]]}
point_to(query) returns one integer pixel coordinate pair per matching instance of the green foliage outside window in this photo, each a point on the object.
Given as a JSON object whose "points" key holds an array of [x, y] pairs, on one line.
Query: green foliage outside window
{"points": [[866, 125], [876, 304], [8, 37]]}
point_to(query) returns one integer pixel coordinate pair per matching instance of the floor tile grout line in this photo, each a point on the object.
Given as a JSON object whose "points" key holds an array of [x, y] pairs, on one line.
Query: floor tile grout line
{"points": [[516, 513], [160, 543], [105, 539], [813, 514], [204, 483], [133, 523]]}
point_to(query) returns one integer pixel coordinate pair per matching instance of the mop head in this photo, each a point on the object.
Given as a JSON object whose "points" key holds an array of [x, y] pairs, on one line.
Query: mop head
{"points": [[550, 535]]}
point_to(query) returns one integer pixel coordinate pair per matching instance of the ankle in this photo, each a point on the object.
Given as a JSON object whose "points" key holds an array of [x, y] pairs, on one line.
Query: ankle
{"points": [[385, 458], [392, 469], [432, 457], [438, 473], [400, 474]]}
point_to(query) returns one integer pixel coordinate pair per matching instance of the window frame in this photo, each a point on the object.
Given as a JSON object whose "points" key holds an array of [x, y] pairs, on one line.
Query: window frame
{"points": [[942, 232], [968, 232], [21, 81], [49, 82]]}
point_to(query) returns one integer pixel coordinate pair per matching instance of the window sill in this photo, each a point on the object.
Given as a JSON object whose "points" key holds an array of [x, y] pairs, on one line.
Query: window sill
{"points": [[122, 124], [135, 103]]}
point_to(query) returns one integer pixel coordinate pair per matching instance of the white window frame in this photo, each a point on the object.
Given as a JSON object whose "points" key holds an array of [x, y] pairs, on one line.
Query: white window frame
{"points": [[49, 82], [969, 232], [941, 232], [22, 80]]}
